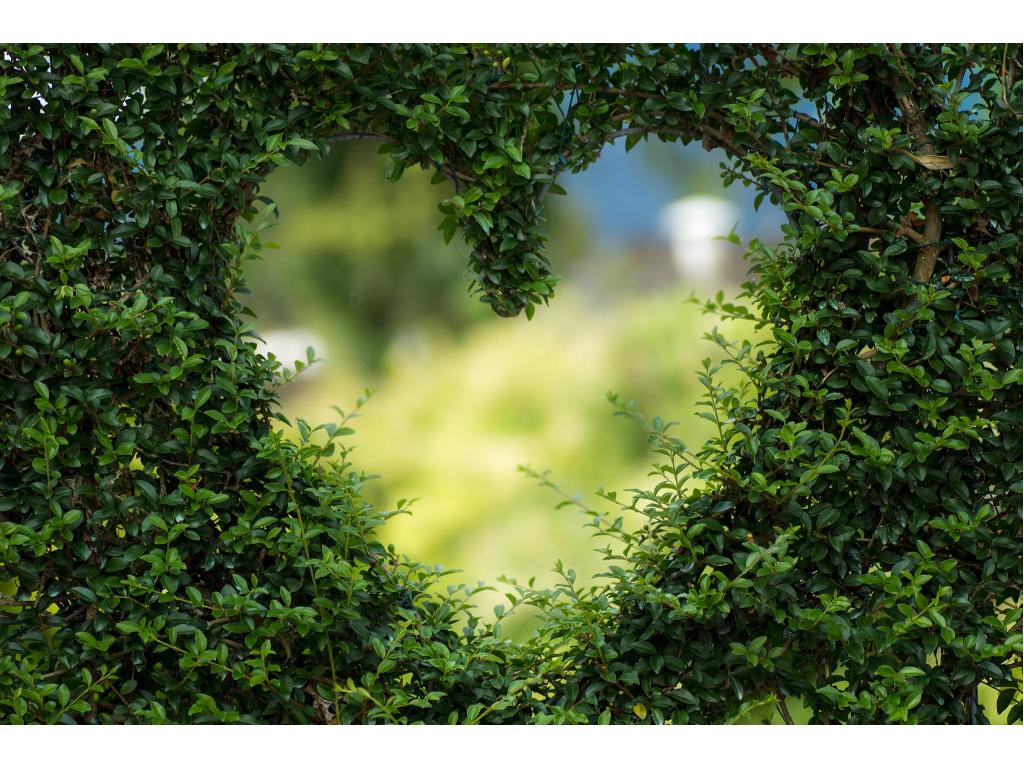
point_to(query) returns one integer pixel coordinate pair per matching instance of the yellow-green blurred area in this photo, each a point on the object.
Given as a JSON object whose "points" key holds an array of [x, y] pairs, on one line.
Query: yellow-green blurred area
{"points": [[461, 397]]}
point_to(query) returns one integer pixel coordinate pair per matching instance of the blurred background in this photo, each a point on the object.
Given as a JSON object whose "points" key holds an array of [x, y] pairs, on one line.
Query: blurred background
{"points": [[358, 270]]}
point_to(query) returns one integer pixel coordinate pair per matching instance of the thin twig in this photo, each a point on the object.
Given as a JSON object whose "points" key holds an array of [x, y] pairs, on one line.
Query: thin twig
{"points": [[899, 229], [1002, 83], [783, 709], [360, 136], [963, 70]]}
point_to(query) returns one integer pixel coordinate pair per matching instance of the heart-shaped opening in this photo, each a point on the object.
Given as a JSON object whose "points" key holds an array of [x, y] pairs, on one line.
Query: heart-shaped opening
{"points": [[461, 397]]}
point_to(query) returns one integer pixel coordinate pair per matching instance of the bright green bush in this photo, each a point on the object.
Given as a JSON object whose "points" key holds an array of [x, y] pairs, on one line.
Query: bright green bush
{"points": [[857, 540]]}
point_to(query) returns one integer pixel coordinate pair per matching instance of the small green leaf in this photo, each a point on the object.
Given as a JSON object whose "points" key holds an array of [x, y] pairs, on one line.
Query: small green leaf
{"points": [[895, 249], [484, 221], [85, 594], [877, 387], [300, 143], [495, 161]]}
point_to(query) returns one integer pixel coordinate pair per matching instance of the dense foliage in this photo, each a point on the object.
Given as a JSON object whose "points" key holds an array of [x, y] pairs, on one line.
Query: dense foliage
{"points": [[850, 538]]}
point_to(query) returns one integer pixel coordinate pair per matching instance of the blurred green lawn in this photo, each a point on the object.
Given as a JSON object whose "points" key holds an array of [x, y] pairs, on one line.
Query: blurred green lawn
{"points": [[463, 397], [451, 420]]}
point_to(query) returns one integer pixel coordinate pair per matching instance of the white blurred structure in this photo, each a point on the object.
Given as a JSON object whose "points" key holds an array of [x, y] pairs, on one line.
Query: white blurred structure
{"points": [[289, 345], [692, 223]]}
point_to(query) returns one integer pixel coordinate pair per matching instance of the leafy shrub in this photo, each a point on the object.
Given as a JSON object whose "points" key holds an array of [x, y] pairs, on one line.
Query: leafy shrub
{"points": [[851, 536]]}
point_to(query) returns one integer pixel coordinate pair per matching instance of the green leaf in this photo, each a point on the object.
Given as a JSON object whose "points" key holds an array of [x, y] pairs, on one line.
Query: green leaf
{"points": [[85, 594], [895, 249], [484, 221], [877, 387], [300, 143], [89, 123], [495, 161]]}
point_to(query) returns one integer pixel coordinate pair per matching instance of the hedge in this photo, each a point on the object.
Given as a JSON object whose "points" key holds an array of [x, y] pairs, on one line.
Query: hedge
{"points": [[849, 541]]}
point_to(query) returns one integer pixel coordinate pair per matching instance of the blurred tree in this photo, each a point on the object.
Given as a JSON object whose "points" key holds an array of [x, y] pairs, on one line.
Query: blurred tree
{"points": [[363, 259]]}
